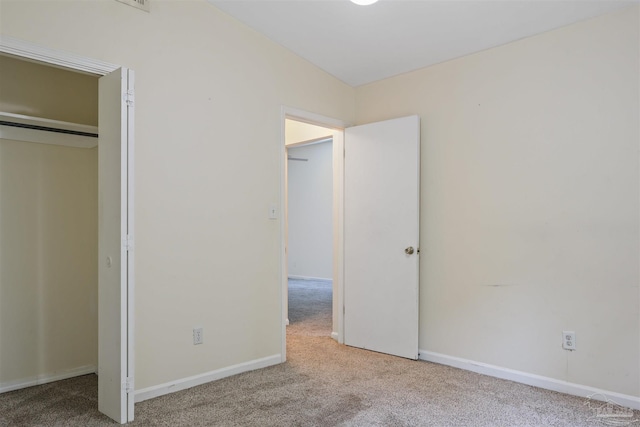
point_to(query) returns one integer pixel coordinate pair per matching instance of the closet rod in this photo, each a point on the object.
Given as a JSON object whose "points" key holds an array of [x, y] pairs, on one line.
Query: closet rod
{"points": [[297, 158], [48, 129]]}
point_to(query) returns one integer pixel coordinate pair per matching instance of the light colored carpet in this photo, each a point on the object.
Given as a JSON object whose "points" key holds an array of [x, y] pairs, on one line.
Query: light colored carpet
{"points": [[322, 384], [309, 308]]}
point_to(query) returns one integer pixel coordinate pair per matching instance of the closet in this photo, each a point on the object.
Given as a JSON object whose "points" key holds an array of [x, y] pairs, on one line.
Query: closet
{"points": [[48, 223]]}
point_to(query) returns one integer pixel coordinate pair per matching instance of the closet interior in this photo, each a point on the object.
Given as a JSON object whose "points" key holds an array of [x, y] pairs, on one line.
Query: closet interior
{"points": [[48, 223]]}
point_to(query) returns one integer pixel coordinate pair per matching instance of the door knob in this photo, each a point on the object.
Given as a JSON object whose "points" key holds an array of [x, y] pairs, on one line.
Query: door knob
{"points": [[409, 250]]}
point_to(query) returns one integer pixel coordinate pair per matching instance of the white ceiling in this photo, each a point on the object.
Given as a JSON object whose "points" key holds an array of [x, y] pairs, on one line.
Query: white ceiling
{"points": [[362, 44]]}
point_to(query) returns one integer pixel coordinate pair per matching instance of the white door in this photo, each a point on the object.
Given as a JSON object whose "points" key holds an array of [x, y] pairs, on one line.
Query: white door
{"points": [[115, 308], [381, 232]]}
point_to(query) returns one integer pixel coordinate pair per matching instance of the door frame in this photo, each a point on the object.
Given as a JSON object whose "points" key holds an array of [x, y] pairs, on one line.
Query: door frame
{"points": [[31, 51], [299, 115]]}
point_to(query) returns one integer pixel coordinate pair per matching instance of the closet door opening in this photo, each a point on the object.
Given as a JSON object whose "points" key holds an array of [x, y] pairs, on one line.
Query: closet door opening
{"points": [[53, 211], [48, 224]]}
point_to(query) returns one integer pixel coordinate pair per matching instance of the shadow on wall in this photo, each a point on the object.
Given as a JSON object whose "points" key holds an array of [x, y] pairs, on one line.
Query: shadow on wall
{"points": [[48, 260]]}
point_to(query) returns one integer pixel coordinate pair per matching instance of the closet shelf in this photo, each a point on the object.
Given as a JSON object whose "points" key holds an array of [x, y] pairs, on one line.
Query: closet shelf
{"points": [[46, 131]]}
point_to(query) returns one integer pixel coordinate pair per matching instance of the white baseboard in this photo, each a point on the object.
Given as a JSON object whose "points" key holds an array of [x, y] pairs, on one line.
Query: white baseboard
{"points": [[335, 336], [196, 380], [531, 379], [317, 279], [46, 378]]}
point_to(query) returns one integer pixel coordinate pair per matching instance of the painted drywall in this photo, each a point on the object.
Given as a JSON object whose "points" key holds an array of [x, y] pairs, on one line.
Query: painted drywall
{"points": [[296, 132], [208, 103], [33, 89], [48, 260], [310, 211], [529, 201]]}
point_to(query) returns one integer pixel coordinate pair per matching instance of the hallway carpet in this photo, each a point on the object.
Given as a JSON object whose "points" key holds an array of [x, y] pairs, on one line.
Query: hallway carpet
{"points": [[310, 308]]}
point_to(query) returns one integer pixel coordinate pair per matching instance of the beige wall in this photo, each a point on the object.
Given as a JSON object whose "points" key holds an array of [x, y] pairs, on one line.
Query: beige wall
{"points": [[33, 89], [530, 186], [209, 93], [310, 211], [297, 132], [48, 260]]}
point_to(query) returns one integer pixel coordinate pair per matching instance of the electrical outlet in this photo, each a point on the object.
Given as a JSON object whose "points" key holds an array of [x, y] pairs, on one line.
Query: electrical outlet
{"points": [[197, 336], [569, 340]]}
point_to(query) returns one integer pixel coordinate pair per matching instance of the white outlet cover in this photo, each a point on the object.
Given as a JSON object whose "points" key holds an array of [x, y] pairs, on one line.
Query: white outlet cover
{"points": [[198, 337], [569, 340]]}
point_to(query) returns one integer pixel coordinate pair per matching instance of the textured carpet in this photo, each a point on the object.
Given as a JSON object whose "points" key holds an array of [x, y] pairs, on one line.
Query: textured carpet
{"points": [[322, 384], [309, 308]]}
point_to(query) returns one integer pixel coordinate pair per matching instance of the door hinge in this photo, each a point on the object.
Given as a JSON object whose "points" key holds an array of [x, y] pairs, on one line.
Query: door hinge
{"points": [[127, 385], [127, 243], [128, 97]]}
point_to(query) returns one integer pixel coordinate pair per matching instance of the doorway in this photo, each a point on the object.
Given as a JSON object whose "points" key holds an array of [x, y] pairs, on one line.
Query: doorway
{"points": [[319, 130], [310, 230], [48, 224], [115, 178], [385, 156]]}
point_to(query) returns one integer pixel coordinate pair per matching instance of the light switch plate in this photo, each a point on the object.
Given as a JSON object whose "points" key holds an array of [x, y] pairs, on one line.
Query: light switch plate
{"points": [[273, 211]]}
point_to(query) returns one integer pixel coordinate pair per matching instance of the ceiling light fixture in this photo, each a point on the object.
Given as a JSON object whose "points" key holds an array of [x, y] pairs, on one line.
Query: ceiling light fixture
{"points": [[364, 2]]}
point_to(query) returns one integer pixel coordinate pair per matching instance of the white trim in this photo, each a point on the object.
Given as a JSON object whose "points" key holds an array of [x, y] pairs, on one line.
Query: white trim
{"points": [[313, 119], [47, 378], [338, 235], [314, 141], [45, 137], [39, 121], [196, 380], [317, 279], [334, 335], [284, 269], [530, 379], [131, 249], [28, 50]]}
